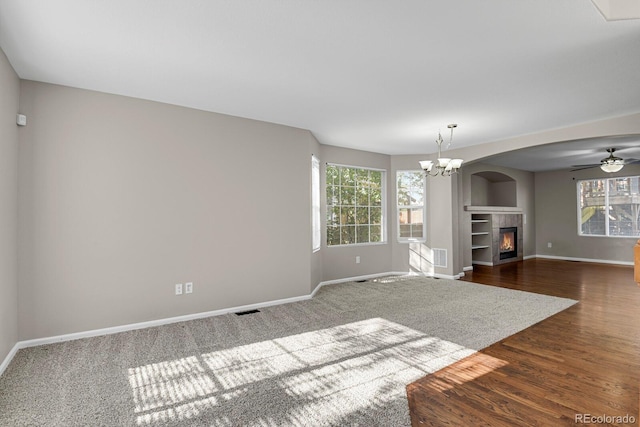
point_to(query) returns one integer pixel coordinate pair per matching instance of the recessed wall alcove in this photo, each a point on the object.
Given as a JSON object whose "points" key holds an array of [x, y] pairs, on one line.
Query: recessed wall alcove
{"points": [[490, 188], [494, 209]]}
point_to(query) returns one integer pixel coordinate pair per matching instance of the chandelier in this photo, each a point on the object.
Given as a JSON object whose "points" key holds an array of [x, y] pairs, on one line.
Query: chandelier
{"points": [[443, 166], [611, 163]]}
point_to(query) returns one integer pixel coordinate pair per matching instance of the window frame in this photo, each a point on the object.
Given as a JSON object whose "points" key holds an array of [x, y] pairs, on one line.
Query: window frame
{"points": [[606, 207], [383, 206], [423, 206], [316, 208]]}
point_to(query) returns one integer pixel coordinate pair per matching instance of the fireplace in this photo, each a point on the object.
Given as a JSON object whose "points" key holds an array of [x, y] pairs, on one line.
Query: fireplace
{"points": [[497, 235], [508, 242]]}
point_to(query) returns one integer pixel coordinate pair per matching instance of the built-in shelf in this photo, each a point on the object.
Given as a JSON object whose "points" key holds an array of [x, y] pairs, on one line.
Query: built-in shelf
{"points": [[481, 237], [485, 229], [479, 246]]}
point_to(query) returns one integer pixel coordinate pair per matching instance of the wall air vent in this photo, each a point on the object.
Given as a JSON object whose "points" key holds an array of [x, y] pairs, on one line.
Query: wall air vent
{"points": [[439, 257]]}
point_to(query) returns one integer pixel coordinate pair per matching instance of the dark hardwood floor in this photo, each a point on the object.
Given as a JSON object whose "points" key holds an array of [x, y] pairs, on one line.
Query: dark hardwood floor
{"points": [[580, 366]]}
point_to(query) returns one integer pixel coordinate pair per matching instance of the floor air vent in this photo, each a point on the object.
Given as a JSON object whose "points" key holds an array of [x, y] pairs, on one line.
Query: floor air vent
{"points": [[242, 313]]}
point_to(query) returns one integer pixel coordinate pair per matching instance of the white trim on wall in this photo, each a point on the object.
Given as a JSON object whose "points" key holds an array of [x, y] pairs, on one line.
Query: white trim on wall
{"points": [[356, 278], [599, 261], [166, 321], [9, 358], [134, 326], [565, 258], [152, 323]]}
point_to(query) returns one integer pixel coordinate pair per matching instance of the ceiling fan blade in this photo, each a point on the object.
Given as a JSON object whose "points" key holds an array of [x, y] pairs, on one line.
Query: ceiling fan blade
{"points": [[583, 167], [586, 166], [611, 159]]}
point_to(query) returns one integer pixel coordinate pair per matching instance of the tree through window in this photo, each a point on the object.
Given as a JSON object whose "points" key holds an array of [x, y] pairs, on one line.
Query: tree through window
{"points": [[354, 205]]}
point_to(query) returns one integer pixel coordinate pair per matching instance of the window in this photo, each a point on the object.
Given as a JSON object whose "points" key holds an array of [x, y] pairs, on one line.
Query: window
{"points": [[355, 206], [410, 187], [609, 207], [316, 232]]}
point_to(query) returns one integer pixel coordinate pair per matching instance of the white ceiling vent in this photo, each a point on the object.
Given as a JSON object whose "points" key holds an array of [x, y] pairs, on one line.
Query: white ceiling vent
{"points": [[439, 257]]}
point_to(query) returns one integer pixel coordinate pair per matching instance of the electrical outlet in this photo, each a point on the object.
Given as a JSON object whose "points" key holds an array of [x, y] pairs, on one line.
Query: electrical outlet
{"points": [[549, 245], [188, 288], [357, 260], [179, 289]]}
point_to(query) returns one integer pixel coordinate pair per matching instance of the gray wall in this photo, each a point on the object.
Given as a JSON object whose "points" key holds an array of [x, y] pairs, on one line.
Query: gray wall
{"points": [[9, 101], [479, 191], [557, 218], [503, 194], [122, 198]]}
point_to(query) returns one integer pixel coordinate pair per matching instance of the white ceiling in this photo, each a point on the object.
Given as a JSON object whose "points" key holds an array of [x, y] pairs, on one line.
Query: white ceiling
{"points": [[569, 154], [381, 76]]}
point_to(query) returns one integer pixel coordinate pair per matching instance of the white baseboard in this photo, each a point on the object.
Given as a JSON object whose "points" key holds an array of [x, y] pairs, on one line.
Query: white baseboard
{"points": [[436, 275], [152, 323], [599, 261], [166, 321], [468, 268], [564, 258], [9, 358], [356, 278], [389, 273], [187, 317]]}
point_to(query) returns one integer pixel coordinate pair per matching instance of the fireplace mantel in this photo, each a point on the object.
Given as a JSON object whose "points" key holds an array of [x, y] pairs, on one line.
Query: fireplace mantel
{"points": [[493, 209]]}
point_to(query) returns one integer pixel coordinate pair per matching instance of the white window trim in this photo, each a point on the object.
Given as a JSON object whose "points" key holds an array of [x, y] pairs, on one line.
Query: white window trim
{"points": [[606, 203], [423, 206], [383, 219], [316, 209]]}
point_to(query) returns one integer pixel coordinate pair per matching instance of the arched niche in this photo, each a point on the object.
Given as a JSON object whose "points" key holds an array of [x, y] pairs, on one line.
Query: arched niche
{"points": [[491, 188]]}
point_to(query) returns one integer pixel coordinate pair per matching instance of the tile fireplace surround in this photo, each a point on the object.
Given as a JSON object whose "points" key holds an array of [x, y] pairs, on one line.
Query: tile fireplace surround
{"points": [[486, 235], [504, 220]]}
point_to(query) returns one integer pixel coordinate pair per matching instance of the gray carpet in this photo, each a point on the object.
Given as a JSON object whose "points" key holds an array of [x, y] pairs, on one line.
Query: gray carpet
{"points": [[340, 359]]}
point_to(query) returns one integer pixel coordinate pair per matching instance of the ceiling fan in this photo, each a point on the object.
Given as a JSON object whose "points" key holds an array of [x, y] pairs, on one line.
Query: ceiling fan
{"points": [[609, 164]]}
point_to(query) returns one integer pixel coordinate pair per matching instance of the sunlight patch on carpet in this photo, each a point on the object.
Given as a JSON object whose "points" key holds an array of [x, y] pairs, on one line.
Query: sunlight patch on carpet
{"points": [[320, 376]]}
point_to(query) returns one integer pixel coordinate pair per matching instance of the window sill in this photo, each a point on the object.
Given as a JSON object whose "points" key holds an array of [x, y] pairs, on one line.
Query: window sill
{"points": [[357, 244]]}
